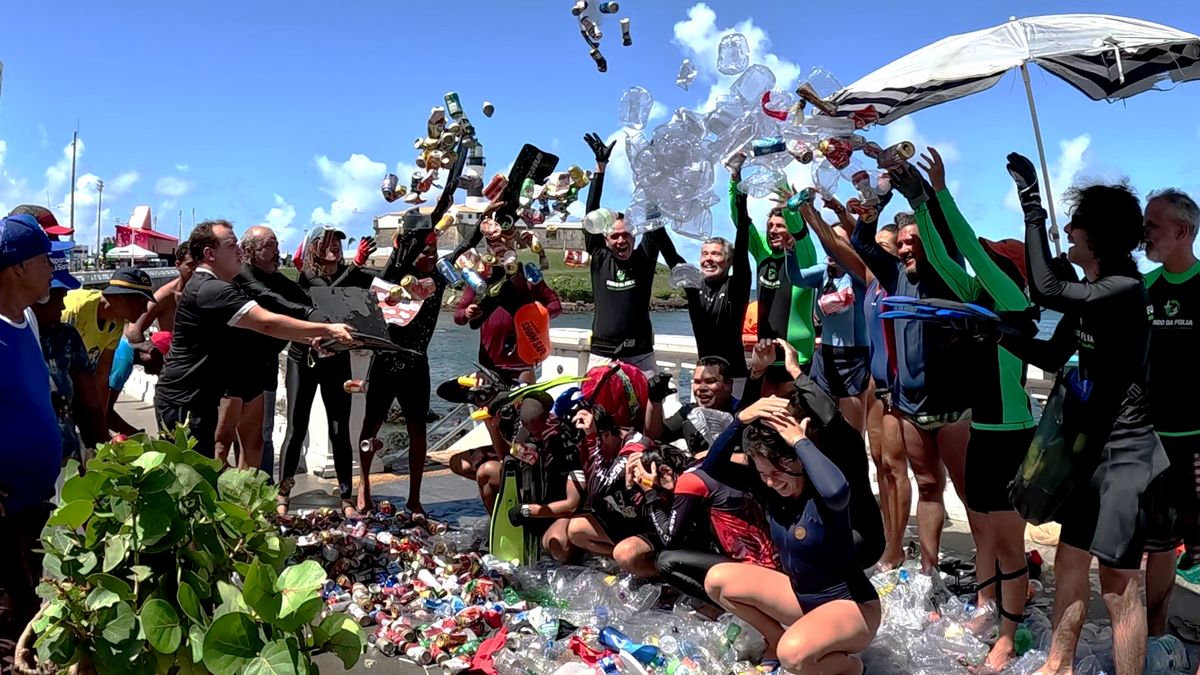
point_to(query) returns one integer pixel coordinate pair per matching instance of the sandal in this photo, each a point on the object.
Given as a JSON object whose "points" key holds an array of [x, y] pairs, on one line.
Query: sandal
{"points": [[282, 503], [349, 510]]}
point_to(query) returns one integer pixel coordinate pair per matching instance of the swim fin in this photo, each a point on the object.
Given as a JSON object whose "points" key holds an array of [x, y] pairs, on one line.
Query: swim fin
{"points": [[513, 395], [509, 542]]}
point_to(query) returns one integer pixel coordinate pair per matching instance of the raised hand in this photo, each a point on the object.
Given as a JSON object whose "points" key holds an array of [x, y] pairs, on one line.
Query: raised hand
{"points": [[599, 149], [933, 165], [907, 182], [791, 431], [767, 409], [762, 356], [1026, 178], [791, 357]]}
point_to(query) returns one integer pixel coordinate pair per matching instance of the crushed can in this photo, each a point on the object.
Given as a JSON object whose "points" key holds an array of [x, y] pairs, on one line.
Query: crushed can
{"points": [[355, 386], [609, 7], [488, 109], [391, 188], [601, 63], [453, 105], [626, 40], [450, 273], [576, 258]]}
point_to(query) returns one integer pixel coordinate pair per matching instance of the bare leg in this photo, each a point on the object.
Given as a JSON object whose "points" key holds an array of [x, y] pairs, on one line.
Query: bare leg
{"points": [[922, 454], [875, 447], [416, 463], [952, 442], [825, 641], [556, 542], [585, 533], [464, 463], [250, 433], [228, 415], [1160, 582], [488, 479], [761, 597], [1070, 608], [370, 430], [854, 409], [635, 556], [985, 554], [895, 469], [1007, 531], [1123, 599]]}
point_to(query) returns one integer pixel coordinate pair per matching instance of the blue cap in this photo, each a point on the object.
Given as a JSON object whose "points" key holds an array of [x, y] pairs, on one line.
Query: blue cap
{"points": [[21, 238], [60, 255]]}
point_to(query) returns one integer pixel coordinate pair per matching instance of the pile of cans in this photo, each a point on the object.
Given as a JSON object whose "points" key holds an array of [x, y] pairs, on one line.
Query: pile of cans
{"points": [[410, 582]]}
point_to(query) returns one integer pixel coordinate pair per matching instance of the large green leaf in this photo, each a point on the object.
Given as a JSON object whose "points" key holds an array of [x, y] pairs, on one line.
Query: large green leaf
{"points": [[259, 591], [277, 658], [234, 511], [115, 548], [127, 656], [202, 587], [57, 644], [231, 642], [99, 598], [196, 643], [189, 602], [157, 480], [161, 624], [72, 515], [231, 600], [343, 636], [187, 479], [85, 488], [118, 586], [148, 461], [303, 616], [299, 584], [85, 562], [120, 625]]}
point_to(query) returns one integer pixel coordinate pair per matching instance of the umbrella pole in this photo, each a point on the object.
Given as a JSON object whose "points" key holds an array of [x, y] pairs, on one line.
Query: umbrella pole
{"points": [[1037, 133]]}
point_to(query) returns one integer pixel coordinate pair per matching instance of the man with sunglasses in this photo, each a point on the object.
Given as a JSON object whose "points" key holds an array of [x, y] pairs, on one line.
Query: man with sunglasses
{"points": [[622, 277]]}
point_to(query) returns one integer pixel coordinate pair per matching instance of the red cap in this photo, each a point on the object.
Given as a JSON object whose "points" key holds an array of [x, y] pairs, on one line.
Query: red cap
{"points": [[45, 218], [624, 394], [162, 341], [1011, 249]]}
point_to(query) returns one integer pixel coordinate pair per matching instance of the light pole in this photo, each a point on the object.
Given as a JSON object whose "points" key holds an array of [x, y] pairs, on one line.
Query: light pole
{"points": [[99, 212]]}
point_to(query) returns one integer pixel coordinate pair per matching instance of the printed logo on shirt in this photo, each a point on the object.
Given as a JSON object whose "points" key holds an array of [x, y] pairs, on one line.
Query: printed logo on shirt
{"points": [[1171, 308], [1173, 320], [769, 278], [620, 283]]}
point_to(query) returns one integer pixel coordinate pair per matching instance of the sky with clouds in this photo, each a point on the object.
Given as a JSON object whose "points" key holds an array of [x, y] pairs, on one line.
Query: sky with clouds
{"points": [[289, 115]]}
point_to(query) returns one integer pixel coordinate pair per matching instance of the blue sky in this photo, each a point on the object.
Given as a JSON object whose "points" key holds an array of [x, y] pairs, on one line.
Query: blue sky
{"points": [[290, 113]]}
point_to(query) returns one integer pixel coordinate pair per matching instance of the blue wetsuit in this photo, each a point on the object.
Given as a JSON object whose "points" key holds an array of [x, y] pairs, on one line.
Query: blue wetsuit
{"points": [[877, 335], [812, 531]]}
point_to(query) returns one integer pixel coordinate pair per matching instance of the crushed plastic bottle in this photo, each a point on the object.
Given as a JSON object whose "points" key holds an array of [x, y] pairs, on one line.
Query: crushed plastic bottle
{"points": [[760, 181], [687, 75], [600, 221], [733, 54], [644, 216], [754, 82], [686, 275], [636, 104], [699, 226]]}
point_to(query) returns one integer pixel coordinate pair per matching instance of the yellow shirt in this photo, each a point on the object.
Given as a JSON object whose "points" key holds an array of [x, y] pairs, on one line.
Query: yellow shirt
{"points": [[80, 309]]}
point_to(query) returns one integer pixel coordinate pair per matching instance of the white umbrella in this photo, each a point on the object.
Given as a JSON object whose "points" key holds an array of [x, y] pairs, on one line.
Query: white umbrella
{"points": [[130, 252], [1105, 57]]}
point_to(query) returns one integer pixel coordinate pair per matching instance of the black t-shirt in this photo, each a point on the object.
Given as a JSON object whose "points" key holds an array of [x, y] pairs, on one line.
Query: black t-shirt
{"points": [[1174, 361], [201, 359], [276, 293], [621, 289]]}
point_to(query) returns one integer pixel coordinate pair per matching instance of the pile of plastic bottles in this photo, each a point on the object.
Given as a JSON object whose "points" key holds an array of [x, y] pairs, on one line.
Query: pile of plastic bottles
{"points": [[772, 126]]}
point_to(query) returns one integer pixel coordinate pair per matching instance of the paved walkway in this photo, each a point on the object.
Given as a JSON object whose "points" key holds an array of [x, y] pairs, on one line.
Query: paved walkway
{"points": [[448, 497]]}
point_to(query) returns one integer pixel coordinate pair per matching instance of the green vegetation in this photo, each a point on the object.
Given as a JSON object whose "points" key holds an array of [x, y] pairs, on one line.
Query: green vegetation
{"points": [[143, 561], [572, 284]]}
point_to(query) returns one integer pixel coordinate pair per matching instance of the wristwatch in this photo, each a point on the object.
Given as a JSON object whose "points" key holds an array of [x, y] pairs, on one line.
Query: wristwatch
{"points": [[525, 511]]}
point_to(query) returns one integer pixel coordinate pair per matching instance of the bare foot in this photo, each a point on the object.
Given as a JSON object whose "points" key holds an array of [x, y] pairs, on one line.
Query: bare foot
{"points": [[365, 503], [349, 511], [417, 510]]}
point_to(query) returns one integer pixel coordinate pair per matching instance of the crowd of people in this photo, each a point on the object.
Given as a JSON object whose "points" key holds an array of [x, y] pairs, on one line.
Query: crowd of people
{"points": [[754, 498]]}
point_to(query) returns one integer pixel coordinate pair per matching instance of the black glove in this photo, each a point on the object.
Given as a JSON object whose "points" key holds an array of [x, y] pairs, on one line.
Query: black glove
{"points": [[976, 330], [909, 183], [1025, 176], [602, 151], [515, 517], [660, 387]]}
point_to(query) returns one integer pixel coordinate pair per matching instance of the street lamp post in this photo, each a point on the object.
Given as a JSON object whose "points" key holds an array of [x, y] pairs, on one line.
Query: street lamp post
{"points": [[99, 212]]}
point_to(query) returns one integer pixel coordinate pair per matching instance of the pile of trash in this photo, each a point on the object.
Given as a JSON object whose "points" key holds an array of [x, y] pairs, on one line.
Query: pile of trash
{"points": [[673, 167], [423, 592], [591, 16]]}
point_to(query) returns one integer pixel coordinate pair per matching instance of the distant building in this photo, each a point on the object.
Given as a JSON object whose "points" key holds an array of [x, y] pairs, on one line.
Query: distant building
{"points": [[140, 232]]}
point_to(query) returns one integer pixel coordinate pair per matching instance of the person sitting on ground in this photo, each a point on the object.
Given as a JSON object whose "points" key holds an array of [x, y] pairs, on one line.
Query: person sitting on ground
{"points": [[161, 312], [712, 390], [100, 317], [609, 525], [72, 390], [820, 610], [700, 521], [150, 355], [560, 471]]}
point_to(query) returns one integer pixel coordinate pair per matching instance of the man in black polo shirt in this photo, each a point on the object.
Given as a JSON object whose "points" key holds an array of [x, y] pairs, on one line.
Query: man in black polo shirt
{"points": [[203, 362]]}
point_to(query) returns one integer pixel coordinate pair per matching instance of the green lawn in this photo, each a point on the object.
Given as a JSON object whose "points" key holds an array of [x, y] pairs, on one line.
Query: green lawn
{"points": [[570, 283]]}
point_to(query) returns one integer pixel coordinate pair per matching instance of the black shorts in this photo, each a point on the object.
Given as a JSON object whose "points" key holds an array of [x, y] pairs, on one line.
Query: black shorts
{"points": [[993, 460], [201, 420], [618, 529], [402, 379], [1080, 518], [846, 370], [1173, 499]]}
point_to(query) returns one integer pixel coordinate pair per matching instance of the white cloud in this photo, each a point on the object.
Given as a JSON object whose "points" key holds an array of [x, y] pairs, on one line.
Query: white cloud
{"points": [[1073, 160], [354, 186], [658, 111], [121, 184], [181, 167], [699, 36], [172, 186], [280, 219], [905, 129]]}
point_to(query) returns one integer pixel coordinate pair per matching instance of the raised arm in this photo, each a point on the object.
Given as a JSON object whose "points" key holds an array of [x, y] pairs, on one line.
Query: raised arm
{"points": [[602, 153], [659, 241], [164, 299], [809, 276], [718, 461], [965, 286], [839, 248]]}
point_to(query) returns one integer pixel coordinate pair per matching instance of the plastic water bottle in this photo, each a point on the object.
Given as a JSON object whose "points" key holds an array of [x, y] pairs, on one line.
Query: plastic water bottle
{"points": [[687, 74], [756, 81], [733, 54], [636, 103], [644, 216], [699, 226], [686, 275], [822, 82], [600, 221], [759, 181], [1167, 655], [826, 177], [1027, 664]]}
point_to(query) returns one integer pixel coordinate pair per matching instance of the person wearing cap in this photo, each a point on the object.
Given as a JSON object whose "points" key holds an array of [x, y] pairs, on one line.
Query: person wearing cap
{"points": [[203, 355], [161, 312], [149, 355], [100, 317], [31, 445], [45, 218], [73, 390]]}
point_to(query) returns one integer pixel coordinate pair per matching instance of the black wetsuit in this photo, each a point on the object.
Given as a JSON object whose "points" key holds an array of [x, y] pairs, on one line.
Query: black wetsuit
{"points": [[1109, 322], [621, 325], [279, 294], [704, 523]]}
